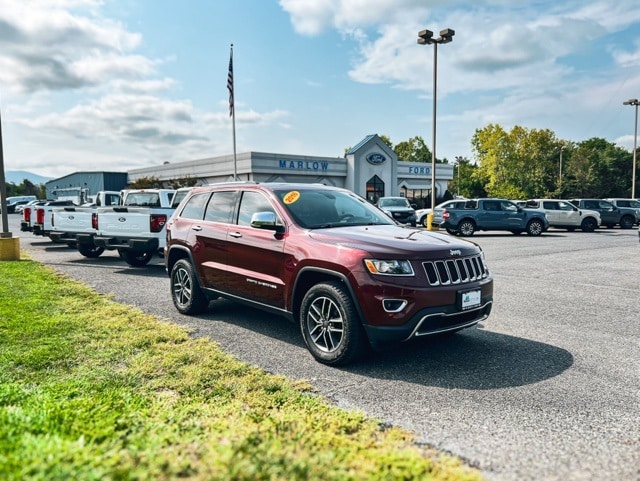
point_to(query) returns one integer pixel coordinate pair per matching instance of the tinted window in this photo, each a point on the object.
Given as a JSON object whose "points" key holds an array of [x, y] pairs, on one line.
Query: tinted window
{"points": [[251, 203], [220, 208], [194, 207]]}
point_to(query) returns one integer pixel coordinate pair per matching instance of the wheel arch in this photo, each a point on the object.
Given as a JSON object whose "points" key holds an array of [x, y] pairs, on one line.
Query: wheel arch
{"points": [[174, 255], [310, 276]]}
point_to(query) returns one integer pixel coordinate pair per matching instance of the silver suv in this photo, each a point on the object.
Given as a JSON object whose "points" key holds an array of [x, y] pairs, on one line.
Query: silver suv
{"points": [[563, 214]]}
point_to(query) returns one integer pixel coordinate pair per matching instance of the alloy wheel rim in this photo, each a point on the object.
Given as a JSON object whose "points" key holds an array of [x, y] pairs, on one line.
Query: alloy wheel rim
{"points": [[325, 324]]}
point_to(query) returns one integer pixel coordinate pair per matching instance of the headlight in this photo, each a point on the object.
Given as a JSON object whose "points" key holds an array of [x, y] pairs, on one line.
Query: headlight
{"points": [[389, 267]]}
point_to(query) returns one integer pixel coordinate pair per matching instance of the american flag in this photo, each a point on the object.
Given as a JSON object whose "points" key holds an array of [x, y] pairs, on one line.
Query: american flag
{"points": [[230, 84]]}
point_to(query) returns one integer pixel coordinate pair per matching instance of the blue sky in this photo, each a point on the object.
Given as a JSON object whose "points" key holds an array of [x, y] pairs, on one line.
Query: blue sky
{"points": [[115, 85]]}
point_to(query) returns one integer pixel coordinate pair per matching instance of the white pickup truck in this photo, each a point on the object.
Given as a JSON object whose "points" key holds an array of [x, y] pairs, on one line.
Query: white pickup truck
{"points": [[137, 227], [69, 222], [41, 217]]}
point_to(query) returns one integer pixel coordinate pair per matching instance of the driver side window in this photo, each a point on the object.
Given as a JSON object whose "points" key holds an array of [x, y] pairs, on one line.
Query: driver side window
{"points": [[251, 203]]}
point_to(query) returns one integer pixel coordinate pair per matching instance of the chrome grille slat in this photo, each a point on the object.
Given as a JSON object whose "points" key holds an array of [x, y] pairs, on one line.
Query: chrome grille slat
{"points": [[455, 271]]}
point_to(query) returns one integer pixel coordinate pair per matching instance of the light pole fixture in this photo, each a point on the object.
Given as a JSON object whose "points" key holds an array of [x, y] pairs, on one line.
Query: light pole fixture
{"points": [[560, 174], [425, 37], [634, 102]]}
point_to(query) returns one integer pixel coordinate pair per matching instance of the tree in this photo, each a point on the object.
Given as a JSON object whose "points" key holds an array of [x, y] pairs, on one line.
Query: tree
{"points": [[146, 183], [413, 150], [598, 168], [466, 182], [519, 164]]}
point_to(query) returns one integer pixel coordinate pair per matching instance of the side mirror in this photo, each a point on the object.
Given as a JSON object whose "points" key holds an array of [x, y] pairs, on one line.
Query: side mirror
{"points": [[267, 221], [414, 206]]}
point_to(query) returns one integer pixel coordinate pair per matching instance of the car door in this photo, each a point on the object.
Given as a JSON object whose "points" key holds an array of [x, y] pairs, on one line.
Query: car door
{"points": [[492, 216], [256, 259], [568, 214], [514, 216], [209, 239], [553, 212]]}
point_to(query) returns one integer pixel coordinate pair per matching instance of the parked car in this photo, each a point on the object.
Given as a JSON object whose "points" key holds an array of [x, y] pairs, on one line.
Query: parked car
{"points": [[610, 215], [562, 214], [399, 209], [421, 214], [628, 204], [327, 259], [493, 214], [14, 201]]}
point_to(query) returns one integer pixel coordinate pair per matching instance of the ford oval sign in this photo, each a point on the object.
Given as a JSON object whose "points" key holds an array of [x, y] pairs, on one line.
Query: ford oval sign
{"points": [[375, 158]]}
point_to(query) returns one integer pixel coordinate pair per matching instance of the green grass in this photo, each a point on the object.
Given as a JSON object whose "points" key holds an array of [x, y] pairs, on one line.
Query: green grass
{"points": [[91, 389]]}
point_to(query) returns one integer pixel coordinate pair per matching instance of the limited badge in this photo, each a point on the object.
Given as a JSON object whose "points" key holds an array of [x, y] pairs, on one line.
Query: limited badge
{"points": [[291, 197]]}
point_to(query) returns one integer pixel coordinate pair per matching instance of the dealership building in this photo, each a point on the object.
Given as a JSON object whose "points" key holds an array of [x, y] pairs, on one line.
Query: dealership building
{"points": [[370, 169]]}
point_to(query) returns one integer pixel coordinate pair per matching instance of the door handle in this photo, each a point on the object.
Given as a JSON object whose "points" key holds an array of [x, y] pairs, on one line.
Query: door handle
{"points": [[197, 228], [237, 235]]}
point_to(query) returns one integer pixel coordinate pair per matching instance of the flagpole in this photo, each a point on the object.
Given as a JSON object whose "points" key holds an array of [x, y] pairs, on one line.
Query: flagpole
{"points": [[232, 112]]}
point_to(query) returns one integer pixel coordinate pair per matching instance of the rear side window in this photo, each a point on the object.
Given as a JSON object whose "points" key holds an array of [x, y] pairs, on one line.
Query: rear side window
{"points": [[221, 206], [194, 207]]}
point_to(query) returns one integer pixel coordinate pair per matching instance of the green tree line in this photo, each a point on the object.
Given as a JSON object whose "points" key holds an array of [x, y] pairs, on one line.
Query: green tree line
{"points": [[25, 188], [524, 163]]}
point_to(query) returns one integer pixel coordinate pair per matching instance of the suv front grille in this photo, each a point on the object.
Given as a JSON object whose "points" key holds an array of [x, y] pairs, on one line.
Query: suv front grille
{"points": [[455, 271]]}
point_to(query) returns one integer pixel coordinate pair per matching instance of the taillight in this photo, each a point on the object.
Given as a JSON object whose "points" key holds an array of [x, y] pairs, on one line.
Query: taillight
{"points": [[39, 216], [26, 214], [94, 220], [157, 222], [445, 215]]}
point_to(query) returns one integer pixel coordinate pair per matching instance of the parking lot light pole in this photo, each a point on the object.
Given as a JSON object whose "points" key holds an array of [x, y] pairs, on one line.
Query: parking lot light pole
{"points": [[425, 37], [634, 102]]}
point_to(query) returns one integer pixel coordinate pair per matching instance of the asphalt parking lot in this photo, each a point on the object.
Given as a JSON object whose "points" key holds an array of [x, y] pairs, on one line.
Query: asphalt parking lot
{"points": [[547, 388]]}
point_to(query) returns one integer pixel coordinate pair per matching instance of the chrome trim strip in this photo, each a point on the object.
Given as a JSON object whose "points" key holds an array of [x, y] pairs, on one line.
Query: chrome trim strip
{"points": [[414, 333]]}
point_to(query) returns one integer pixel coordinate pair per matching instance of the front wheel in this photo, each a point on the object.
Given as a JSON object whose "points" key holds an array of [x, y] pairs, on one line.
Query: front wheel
{"points": [[136, 258], [535, 227], [186, 293], [588, 225], [330, 325], [627, 222]]}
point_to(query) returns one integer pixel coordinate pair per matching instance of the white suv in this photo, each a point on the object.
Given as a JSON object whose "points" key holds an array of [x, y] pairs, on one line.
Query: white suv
{"points": [[564, 215]]}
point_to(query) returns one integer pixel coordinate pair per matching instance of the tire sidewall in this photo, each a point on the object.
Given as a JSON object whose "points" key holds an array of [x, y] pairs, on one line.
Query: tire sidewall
{"points": [[352, 343]]}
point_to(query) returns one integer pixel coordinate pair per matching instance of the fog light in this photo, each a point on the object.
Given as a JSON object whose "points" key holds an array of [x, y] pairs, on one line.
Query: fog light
{"points": [[393, 305]]}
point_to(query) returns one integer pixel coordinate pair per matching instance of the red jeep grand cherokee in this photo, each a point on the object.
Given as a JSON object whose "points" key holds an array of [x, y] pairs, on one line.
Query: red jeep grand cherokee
{"points": [[327, 259]]}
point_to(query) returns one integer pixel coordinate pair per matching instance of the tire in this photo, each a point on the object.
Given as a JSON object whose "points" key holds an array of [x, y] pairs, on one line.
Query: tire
{"points": [[466, 228], [91, 251], [136, 258], [186, 293], [516, 232], [330, 325], [588, 224], [627, 222], [535, 227], [423, 221]]}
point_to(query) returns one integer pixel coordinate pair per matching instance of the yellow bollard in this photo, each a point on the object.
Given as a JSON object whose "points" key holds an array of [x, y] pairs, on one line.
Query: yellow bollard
{"points": [[9, 248], [430, 225]]}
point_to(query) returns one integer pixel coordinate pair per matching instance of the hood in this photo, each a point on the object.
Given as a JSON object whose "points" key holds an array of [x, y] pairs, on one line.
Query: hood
{"points": [[394, 239]]}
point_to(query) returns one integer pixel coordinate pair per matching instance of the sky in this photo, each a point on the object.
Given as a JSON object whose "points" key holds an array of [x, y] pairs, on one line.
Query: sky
{"points": [[114, 85]]}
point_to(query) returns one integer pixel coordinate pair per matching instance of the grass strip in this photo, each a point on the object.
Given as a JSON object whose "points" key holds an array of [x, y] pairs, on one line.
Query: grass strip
{"points": [[92, 389]]}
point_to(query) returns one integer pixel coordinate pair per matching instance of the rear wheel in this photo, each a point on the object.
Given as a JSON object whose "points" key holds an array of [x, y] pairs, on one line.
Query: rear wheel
{"points": [[627, 222], [91, 251], [535, 227], [588, 225], [466, 228], [136, 258], [186, 293], [330, 325]]}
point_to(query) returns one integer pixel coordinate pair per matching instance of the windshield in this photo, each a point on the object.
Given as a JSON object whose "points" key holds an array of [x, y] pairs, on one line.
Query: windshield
{"points": [[394, 202], [142, 199], [313, 209]]}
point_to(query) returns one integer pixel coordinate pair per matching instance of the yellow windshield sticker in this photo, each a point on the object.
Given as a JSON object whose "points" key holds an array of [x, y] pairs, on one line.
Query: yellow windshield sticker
{"points": [[291, 197]]}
